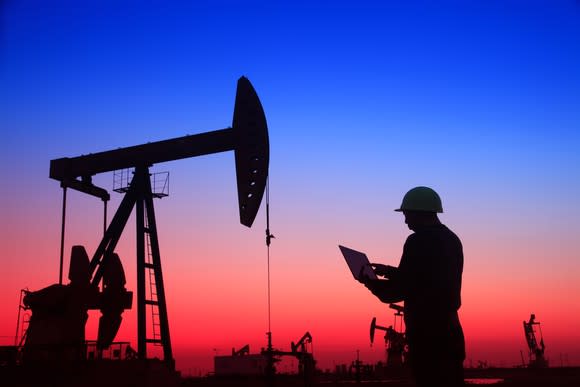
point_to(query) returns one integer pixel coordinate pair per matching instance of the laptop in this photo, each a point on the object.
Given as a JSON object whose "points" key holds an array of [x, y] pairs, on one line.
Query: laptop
{"points": [[358, 263]]}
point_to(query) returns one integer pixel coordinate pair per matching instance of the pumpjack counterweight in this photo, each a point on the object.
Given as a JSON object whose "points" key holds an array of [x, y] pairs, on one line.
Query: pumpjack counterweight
{"points": [[248, 137]]}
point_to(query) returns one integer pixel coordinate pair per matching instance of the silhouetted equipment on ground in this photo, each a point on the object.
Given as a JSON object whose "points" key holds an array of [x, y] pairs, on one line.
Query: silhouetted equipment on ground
{"points": [[56, 331], [535, 350], [299, 350], [394, 338], [305, 359], [357, 366], [242, 351], [240, 363]]}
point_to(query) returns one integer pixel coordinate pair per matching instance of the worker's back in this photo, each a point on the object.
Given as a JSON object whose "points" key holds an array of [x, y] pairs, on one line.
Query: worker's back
{"points": [[430, 272]]}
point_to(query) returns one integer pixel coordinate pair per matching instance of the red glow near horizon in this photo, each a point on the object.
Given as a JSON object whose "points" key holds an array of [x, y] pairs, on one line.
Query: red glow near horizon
{"points": [[217, 303]]}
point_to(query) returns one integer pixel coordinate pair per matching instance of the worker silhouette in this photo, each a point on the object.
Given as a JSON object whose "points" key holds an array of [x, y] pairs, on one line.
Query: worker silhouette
{"points": [[428, 280]]}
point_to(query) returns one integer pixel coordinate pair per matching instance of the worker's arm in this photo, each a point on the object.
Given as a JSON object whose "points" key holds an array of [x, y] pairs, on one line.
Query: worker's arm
{"points": [[387, 291]]}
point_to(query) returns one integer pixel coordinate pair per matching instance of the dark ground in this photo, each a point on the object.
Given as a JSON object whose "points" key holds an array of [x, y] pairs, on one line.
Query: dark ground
{"points": [[151, 374], [508, 377]]}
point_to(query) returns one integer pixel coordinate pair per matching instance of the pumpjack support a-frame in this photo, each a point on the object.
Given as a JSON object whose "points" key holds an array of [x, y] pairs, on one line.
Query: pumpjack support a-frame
{"points": [[248, 137]]}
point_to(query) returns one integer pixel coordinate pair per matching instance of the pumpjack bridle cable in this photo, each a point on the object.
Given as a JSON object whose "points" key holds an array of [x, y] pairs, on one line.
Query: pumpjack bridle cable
{"points": [[269, 237]]}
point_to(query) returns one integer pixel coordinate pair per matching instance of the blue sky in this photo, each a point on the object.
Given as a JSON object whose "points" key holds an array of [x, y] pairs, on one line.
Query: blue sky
{"points": [[445, 71]]}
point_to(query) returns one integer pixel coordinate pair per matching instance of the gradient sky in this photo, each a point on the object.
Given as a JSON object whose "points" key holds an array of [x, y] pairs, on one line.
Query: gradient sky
{"points": [[477, 99]]}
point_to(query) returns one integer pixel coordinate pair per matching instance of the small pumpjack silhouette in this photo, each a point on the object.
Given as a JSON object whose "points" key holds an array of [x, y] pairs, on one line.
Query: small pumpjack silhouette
{"points": [[394, 340], [536, 351]]}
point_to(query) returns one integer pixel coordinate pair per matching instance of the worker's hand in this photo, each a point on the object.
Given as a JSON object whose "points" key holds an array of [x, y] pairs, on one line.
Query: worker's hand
{"points": [[384, 270], [362, 277], [384, 290]]}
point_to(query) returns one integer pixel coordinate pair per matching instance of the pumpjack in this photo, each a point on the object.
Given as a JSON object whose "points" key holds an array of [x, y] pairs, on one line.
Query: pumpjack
{"points": [[535, 350], [245, 350], [299, 350], [394, 338], [56, 330], [306, 360]]}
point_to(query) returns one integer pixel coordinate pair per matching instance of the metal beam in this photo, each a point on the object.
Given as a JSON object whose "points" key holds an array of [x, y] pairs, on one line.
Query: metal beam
{"points": [[70, 168]]}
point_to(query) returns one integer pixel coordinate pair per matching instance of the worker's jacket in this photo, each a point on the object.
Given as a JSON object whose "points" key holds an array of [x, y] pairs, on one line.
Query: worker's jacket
{"points": [[429, 281]]}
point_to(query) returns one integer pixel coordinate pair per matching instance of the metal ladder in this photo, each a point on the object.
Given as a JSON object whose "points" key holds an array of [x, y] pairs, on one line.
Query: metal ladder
{"points": [[152, 301]]}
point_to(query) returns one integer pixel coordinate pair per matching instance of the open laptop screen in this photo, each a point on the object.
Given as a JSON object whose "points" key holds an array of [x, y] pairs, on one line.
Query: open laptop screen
{"points": [[358, 263]]}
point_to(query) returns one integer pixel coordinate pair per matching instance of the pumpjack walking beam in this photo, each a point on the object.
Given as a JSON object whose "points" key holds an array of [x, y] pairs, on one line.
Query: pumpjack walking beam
{"points": [[248, 137]]}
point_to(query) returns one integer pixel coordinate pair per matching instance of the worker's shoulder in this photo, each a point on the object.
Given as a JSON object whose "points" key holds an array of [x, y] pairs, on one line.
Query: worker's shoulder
{"points": [[443, 228], [439, 231]]}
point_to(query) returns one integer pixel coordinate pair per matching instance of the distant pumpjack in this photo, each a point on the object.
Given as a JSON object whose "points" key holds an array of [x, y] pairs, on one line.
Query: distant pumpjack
{"points": [[59, 312], [306, 361], [535, 350], [299, 350], [245, 350]]}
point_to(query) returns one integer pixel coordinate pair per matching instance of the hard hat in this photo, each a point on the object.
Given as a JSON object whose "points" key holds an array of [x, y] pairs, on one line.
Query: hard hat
{"points": [[422, 199]]}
